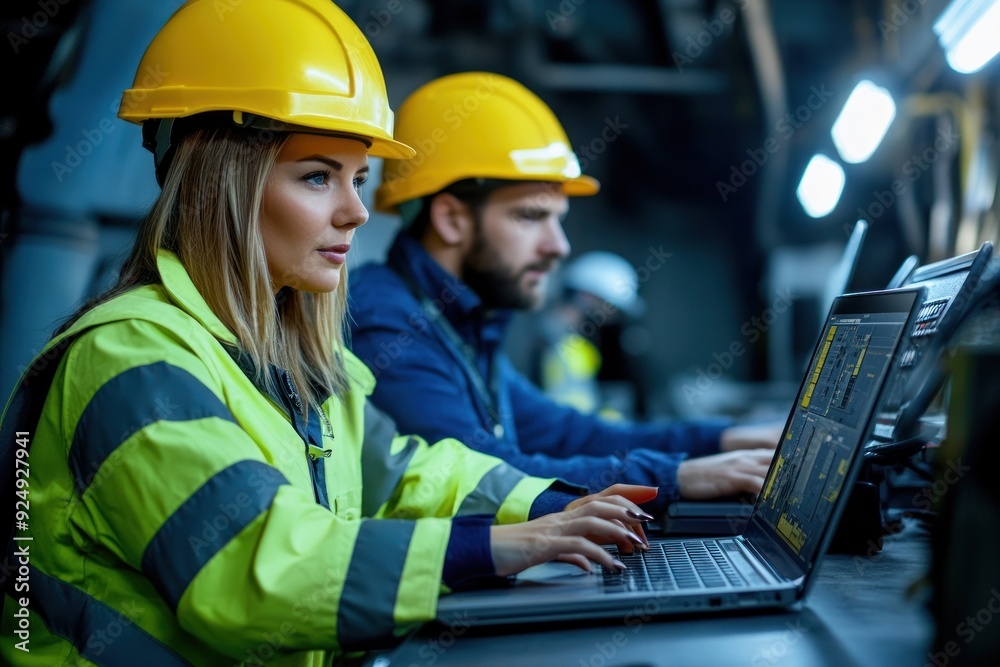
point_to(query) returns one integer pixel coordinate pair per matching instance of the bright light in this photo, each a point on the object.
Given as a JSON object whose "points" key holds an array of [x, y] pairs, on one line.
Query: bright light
{"points": [[968, 31], [821, 185], [863, 122]]}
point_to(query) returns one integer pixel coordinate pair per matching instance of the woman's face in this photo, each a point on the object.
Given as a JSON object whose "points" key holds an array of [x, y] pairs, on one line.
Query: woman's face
{"points": [[312, 205]]}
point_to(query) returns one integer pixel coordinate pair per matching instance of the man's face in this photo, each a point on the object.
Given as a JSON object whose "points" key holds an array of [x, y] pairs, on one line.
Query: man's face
{"points": [[518, 243]]}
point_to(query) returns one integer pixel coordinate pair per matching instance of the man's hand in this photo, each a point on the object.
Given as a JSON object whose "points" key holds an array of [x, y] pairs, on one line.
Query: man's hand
{"points": [[762, 436], [723, 475]]}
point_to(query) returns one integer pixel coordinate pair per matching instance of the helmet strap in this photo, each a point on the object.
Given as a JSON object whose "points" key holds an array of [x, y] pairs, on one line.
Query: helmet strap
{"points": [[156, 139]]}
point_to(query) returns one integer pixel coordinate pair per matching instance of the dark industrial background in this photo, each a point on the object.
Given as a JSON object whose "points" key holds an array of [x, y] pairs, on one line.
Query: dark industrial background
{"points": [[698, 118]]}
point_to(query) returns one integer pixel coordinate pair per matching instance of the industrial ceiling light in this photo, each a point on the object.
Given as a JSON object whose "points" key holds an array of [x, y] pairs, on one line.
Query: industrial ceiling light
{"points": [[967, 31], [863, 122], [821, 185]]}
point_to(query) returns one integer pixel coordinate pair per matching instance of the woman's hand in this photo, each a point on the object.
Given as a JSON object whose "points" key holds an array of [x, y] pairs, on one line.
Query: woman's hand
{"points": [[573, 535], [628, 496]]}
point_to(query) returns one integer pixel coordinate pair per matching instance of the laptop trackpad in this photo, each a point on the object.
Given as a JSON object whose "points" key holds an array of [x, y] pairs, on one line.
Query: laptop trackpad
{"points": [[552, 573]]}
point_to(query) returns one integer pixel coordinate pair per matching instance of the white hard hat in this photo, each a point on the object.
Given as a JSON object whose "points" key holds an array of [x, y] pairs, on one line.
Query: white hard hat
{"points": [[607, 276]]}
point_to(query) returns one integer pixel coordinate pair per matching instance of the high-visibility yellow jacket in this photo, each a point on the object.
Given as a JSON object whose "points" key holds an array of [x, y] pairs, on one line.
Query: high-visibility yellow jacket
{"points": [[174, 516], [569, 368]]}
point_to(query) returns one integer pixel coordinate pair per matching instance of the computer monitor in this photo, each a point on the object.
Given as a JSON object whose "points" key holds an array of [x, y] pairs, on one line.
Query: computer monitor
{"points": [[952, 286]]}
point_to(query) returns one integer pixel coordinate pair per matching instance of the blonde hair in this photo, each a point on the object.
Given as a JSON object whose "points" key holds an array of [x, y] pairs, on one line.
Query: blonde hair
{"points": [[208, 213]]}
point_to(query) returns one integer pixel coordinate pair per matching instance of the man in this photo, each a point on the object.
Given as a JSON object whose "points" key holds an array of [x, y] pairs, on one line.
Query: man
{"points": [[482, 207]]}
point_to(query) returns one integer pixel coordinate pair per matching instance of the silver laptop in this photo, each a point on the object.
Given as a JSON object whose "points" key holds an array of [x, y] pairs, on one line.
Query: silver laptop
{"points": [[772, 562]]}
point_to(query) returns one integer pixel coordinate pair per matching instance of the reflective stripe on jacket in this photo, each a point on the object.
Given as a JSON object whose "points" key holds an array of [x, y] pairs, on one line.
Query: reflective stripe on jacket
{"points": [[173, 514]]}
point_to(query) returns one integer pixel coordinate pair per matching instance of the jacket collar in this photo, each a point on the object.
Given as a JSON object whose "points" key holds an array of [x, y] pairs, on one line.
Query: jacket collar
{"points": [[454, 297], [185, 295], [458, 301]]}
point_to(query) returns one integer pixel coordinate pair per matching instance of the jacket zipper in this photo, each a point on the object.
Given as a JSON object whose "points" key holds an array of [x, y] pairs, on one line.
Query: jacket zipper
{"points": [[314, 453]]}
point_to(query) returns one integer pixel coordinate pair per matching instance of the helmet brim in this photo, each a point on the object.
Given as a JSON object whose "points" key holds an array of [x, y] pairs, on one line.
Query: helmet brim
{"points": [[581, 186], [390, 148], [388, 198]]}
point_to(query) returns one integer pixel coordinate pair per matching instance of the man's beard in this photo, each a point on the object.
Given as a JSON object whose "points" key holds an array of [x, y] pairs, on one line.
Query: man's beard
{"points": [[496, 284]]}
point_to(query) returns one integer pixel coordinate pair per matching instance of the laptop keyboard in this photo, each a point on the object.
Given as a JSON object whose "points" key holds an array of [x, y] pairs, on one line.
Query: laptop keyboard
{"points": [[676, 566]]}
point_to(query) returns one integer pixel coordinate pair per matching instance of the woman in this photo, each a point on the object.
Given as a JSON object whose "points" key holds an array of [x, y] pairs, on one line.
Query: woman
{"points": [[207, 480]]}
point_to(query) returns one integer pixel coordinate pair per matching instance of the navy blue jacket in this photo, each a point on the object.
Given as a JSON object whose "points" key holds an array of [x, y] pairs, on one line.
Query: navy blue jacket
{"points": [[423, 385]]}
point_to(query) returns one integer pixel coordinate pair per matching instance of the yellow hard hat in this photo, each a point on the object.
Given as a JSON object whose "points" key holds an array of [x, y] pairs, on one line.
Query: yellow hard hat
{"points": [[478, 125], [301, 63]]}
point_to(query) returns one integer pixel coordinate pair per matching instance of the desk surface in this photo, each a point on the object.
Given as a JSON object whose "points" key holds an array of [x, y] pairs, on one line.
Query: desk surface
{"points": [[859, 612]]}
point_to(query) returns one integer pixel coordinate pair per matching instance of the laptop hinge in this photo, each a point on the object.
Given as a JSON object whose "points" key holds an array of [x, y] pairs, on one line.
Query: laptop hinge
{"points": [[760, 559]]}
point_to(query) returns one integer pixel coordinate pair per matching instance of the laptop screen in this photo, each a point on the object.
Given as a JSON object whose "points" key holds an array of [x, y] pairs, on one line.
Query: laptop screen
{"points": [[830, 418]]}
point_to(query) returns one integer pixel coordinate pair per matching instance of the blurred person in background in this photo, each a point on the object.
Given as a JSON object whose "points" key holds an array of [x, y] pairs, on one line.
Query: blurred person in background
{"points": [[578, 356]]}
